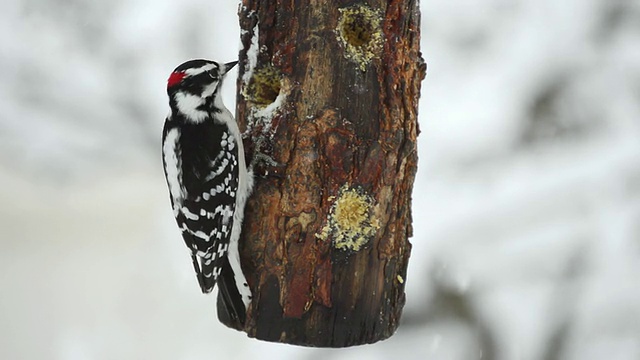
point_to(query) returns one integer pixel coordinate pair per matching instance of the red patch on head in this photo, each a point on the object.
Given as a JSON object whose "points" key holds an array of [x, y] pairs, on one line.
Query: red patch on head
{"points": [[175, 78]]}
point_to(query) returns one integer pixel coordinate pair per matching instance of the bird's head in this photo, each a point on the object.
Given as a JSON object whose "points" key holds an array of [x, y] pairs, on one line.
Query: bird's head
{"points": [[194, 86]]}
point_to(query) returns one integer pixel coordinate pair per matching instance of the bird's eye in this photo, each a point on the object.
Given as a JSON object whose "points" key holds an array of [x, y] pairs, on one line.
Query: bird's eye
{"points": [[212, 75]]}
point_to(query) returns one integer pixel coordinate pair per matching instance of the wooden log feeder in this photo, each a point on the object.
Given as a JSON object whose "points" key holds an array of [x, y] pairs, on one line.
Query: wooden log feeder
{"points": [[332, 87]]}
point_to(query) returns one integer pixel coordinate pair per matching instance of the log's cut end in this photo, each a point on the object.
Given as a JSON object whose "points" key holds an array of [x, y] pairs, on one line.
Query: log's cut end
{"points": [[334, 91], [320, 326]]}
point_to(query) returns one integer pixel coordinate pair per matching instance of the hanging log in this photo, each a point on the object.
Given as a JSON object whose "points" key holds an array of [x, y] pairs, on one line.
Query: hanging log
{"points": [[332, 87]]}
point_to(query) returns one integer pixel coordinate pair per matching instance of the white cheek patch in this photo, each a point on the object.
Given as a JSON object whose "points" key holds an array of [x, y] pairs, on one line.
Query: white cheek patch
{"points": [[188, 105], [210, 89]]}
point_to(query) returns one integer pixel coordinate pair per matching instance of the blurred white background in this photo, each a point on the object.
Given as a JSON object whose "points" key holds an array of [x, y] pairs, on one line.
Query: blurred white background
{"points": [[526, 205]]}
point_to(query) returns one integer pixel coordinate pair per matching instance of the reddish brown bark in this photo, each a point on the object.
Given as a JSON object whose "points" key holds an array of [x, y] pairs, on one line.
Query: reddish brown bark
{"points": [[346, 134]]}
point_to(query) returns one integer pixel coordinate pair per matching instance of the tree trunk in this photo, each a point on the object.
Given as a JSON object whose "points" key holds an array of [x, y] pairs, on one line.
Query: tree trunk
{"points": [[333, 88]]}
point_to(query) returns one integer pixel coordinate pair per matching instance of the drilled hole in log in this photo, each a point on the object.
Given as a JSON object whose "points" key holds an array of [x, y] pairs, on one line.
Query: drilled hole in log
{"points": [[264, 86], [351, 223], [357, 29], [360, 32]]}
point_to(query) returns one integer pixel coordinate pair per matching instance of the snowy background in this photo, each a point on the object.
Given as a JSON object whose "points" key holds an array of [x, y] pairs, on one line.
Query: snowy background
{"points": [[526, 205]]}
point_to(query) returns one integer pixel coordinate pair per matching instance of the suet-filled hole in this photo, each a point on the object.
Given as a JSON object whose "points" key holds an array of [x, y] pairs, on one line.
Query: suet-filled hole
{"points": [[357, 29], [264, 86], [360, 32], [350, 223]]}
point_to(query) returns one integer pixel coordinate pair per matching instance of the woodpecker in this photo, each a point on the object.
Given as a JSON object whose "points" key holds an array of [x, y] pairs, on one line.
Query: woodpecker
{"points": [[208, 179]]}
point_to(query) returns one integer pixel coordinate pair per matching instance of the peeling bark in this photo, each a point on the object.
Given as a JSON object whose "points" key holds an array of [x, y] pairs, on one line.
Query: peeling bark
{"points": [[325, 244]]}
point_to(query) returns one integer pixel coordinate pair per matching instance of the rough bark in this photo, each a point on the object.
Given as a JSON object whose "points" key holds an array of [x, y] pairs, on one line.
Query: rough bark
{"points": [[334, 92]]}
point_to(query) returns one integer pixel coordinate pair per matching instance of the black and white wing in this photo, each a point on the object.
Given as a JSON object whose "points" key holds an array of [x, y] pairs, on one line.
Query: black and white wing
{"points": [[202, 172]]}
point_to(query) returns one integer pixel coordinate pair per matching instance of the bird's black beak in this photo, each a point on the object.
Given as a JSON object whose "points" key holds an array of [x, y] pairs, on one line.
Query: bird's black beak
{"points": [[228, 66]]}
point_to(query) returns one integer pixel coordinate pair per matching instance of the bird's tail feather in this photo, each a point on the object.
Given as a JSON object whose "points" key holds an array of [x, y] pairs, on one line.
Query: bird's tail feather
{"points": [[207, 283], [231, 308], [230, 304]]}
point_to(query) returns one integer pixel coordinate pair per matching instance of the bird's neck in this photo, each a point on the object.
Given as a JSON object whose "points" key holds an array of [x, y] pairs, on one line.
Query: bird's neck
{"points": [[196, 109]]}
